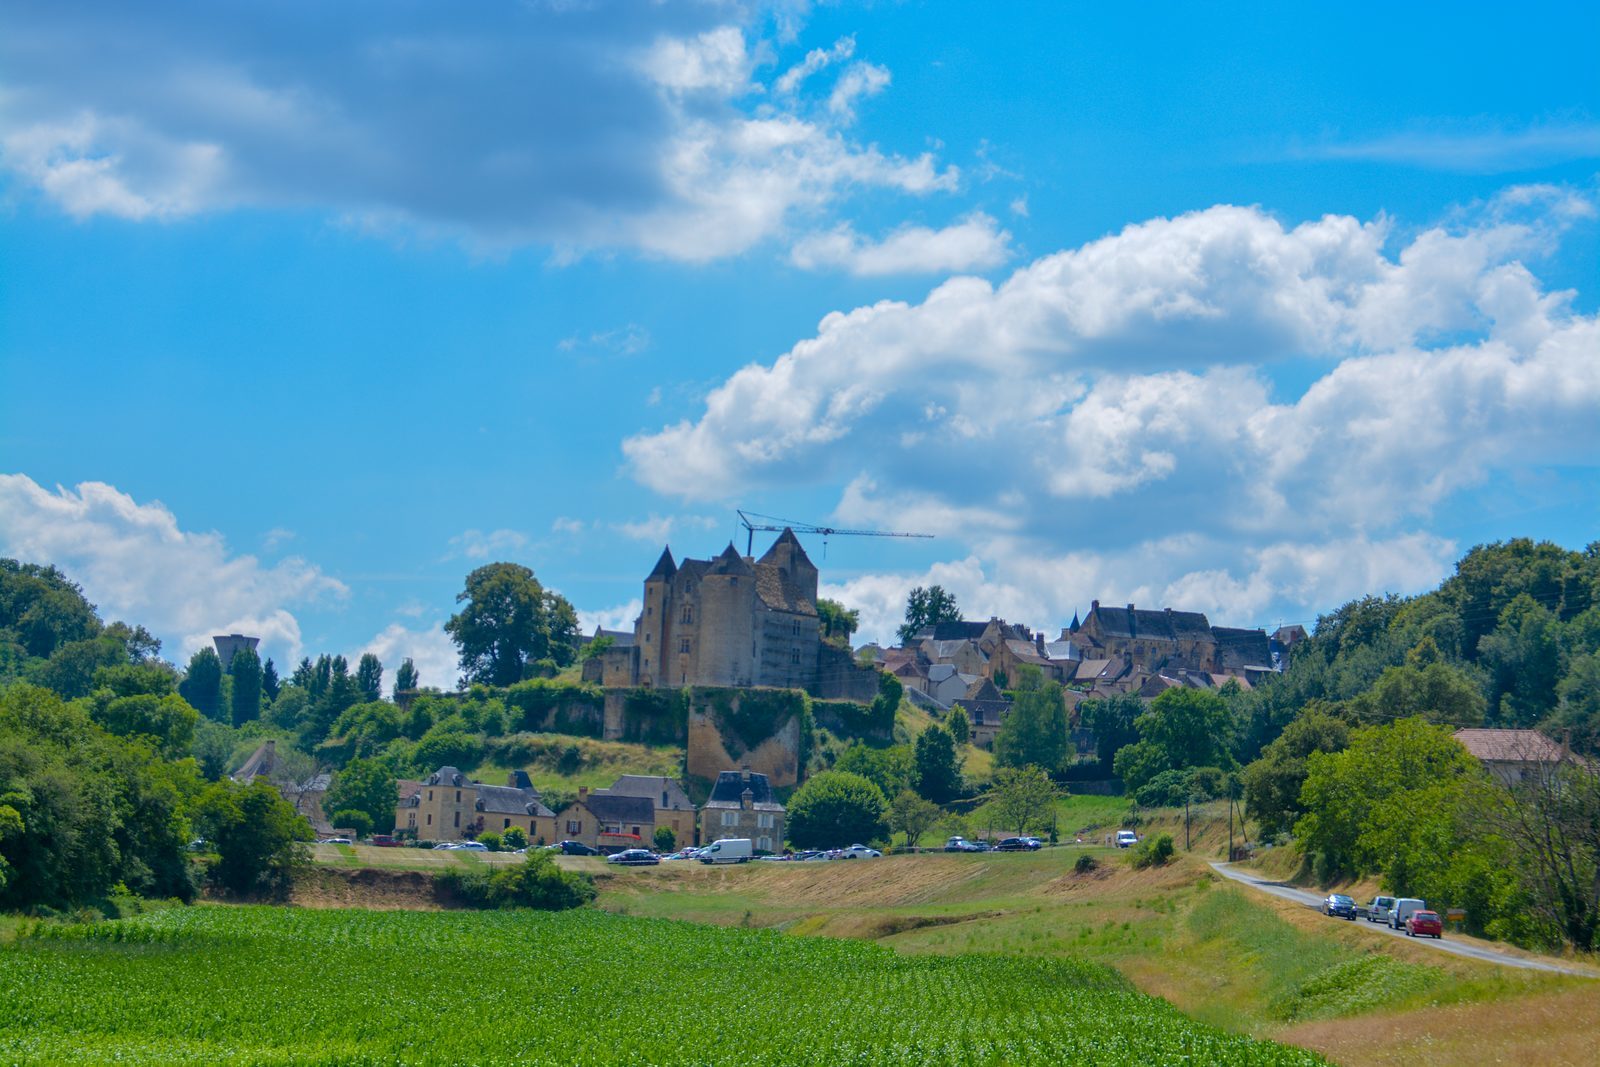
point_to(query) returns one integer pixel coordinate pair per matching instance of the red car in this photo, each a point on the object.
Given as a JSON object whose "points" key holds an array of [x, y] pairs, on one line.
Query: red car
{"points": [[1421, 923]]}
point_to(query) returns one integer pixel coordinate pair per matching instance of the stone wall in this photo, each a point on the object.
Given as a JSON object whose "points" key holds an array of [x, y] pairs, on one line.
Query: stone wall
{"points": [[710, 752], [839, 677]]}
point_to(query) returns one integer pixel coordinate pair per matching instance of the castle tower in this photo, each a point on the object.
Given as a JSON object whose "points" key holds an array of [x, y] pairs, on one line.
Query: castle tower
{"points": [[655, 620]]}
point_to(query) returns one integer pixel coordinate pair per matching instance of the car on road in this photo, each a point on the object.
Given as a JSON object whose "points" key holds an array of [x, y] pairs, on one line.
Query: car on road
{"points": [[960, 844], [1017, 844], [1127, 839], [336, 841], [472, 846], [1378, 911], [859, 852], [385, 841], [577, 848], [446, 846], [1337, 905], [634, 857], [1424, 924], [1037, 843]]}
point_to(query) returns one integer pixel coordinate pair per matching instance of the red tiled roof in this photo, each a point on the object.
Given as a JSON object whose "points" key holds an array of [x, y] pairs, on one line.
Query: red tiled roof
{"points": [[1510, 746]]}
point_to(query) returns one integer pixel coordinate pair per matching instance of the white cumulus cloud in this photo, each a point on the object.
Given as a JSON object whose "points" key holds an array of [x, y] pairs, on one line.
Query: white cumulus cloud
{"points": [[138, 564], [974, 243]]}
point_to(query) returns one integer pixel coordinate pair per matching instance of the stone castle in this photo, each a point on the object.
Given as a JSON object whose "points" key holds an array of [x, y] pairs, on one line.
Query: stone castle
{"points": [[734, 621]]}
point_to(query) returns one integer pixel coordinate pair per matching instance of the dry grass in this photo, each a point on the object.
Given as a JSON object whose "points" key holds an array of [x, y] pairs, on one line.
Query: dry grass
{"points": [[1555, 1028]]}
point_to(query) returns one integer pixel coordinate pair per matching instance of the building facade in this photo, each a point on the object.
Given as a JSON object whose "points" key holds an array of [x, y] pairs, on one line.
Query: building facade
{"points": [[607, 821], [673, 808], [742, 805], [449, 806]]}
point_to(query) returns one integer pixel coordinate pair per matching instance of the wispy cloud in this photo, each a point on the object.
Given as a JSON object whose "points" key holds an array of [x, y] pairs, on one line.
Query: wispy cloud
{"points": [[629, 340], [475, 544], [1491, 151]]}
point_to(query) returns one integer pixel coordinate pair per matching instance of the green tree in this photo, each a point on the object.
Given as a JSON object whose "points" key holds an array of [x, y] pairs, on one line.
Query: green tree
{"points": [[838, 622], [959, 725], [1525, 660], [1111, 719], [1437, 692], [1022, 798], [405, 679], [890, 769], [369, 677], [537, 882], [1182, 728], [665, 840], [71, 668], [166, 722], [137, 679], [246, 696], [834, 809], [1035, 730], [911, 815], [202, 684], [359, 823], [1272, 784], [509, 620], [368, 786], [257, 834], [936, 765], [513, 838], [927, 607], [270, 685]]}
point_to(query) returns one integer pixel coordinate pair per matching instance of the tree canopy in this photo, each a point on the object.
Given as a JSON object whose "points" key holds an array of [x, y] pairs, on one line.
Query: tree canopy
{"points": [[1035, 732], [927, 607], [509, 621], [835, 809]]}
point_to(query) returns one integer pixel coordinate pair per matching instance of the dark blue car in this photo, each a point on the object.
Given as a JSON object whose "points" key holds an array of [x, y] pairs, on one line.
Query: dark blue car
{"points": [[1339, 905]]}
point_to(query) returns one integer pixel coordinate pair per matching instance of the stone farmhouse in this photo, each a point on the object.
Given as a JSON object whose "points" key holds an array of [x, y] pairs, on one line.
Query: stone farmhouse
{"points": [[607, 821], [1515, 756], [742, 805], [733, 621], [449, 806], [673, 808]]}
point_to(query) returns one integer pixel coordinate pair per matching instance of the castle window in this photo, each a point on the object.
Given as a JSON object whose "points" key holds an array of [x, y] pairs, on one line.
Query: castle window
{"points": [[458, 796], [794, 655], [688, 614], [734, 580], [508, 824], [683, 645], [430, 820], [458, 820], [430, 794]]}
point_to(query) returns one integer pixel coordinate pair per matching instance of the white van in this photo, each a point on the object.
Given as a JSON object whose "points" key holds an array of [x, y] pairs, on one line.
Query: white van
{"points": [[1402, 911], [1127, 839], [1378, 911], [728, 850]]}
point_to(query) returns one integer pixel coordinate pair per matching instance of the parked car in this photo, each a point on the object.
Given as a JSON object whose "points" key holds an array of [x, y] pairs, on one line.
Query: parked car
{"points": [[1339, 905], [1424, 924], [728, 850], [634, 857], [859, 852], [385, 841], [1127, 839], [446, 846], [336, 841], [1035, 842], [960, 844], [982, 846], [577, 848], [1378, 911], [682, 854], [472, 846], [810, 854], [1017, 844], [1403, 907]]}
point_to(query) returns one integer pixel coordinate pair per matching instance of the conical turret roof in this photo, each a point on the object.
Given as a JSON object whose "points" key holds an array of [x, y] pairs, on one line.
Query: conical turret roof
{"points": [[665, 568]]}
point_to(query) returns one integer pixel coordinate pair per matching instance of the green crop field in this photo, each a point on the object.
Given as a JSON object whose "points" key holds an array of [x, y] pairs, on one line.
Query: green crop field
{"points": [[221, 985]]}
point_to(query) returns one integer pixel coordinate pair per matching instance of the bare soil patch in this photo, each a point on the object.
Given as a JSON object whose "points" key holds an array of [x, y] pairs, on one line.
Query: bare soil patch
{"points": [[375, 890]]}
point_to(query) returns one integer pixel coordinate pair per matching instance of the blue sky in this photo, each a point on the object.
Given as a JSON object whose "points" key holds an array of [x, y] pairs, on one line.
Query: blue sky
{"points": [[306, 311]]}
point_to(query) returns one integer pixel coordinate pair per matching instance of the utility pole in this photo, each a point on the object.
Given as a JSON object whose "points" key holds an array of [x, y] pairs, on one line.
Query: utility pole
{"points": [[1230, 829], [1186, 822]]}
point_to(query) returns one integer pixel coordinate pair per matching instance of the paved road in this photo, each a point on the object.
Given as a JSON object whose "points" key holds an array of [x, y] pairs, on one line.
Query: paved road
{"points": [[1460, 948]]}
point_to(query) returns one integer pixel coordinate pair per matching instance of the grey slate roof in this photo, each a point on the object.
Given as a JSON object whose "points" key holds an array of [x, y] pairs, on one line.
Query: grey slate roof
{"points": [[613, 807], [651, 787], [1242, 648], [504, 800], [664, 567], [779, 591], [1142, 624], [447, 776], [731, 786]]}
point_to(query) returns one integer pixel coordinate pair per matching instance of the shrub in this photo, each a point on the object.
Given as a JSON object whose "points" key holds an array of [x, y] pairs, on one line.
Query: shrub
{"points": [[1154, 851], [491, 840], [665, 839], [513, 838], [358, 822], [537, 882], [1085, 863]]}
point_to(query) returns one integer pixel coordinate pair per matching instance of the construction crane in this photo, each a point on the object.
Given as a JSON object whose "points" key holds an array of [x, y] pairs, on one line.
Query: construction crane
{"points": [[747, 520]]}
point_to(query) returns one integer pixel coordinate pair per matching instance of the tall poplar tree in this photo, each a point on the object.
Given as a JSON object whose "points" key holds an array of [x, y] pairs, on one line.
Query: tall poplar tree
{"points": [[202, 684]]}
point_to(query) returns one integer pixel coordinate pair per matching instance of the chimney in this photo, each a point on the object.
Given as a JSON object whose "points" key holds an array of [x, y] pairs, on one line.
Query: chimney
{"points": [[583, 793], [1094, 605], [1038, 642]]}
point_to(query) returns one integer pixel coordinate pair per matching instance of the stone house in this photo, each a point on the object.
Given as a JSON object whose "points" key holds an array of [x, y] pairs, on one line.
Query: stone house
{"points": [[1515, 756], [610, 822], [734, 621], [742, 805], [673, 808], [449, 806]]}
